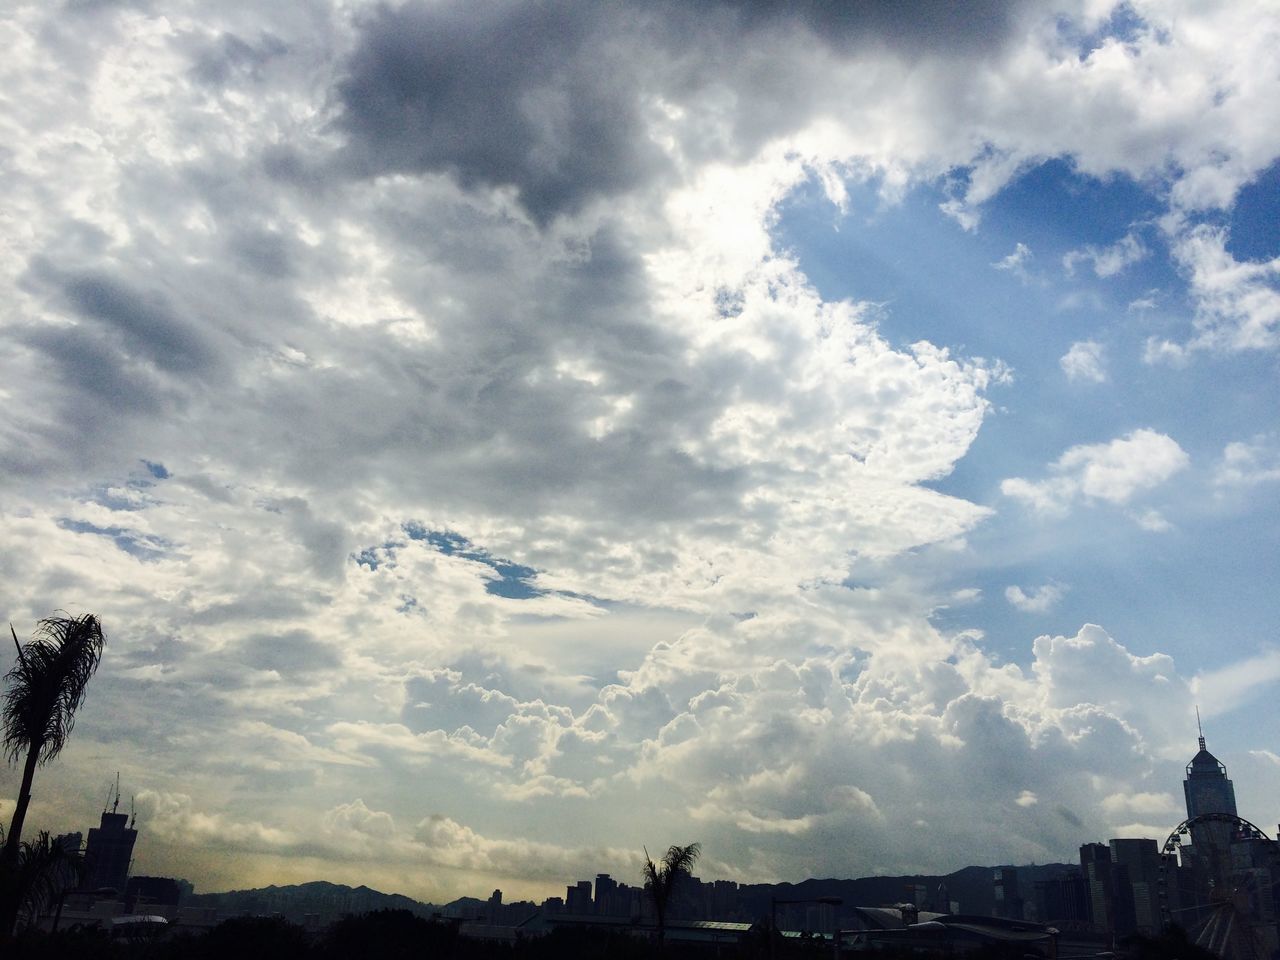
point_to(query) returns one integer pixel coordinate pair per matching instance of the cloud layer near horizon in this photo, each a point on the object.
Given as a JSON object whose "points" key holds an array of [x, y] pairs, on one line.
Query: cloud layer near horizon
{"points": [[473, 488]]}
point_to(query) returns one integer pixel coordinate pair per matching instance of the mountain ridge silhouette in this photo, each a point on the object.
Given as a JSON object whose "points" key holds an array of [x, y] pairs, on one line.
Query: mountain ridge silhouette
{"points": [[972, 886]]}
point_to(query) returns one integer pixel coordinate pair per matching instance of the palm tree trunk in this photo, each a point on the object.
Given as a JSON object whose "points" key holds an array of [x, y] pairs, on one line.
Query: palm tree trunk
{"points": [[14, 835], [9, 857]]}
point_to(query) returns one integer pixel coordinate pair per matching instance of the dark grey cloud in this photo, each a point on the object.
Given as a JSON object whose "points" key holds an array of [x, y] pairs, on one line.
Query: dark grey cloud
{"points": [[291, 652], [145, 323], [912, 26], [265, 252], [505, 94], [557, 98], [216, 62], [94, 370], [267, 606]]}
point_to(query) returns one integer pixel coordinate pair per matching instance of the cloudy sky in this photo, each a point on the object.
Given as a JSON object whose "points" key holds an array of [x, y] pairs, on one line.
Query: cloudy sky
{"points": [[498, 436]]}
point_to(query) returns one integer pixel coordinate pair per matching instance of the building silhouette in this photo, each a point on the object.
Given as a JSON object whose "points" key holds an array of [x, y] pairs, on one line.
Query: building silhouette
{"points": [[1137, 862], [606, 894], [1207, 788], [1008, 898], [1063, 902], [152, 891], [1217, 877], [577, 898], [109, 852]]}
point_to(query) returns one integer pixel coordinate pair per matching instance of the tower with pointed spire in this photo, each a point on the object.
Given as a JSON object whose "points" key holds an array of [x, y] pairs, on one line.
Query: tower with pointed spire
{"points": [[1207, 788]]}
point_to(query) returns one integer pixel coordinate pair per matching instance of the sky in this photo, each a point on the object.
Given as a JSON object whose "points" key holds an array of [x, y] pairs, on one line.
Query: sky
{"points": [[498, 437]]}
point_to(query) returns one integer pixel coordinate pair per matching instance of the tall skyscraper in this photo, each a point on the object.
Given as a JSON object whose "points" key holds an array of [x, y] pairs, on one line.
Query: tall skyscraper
{"points": [[1207, 788], [1209, 856]]}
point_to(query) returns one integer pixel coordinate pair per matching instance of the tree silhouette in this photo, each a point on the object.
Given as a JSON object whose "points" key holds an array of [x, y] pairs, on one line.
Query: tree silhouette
{"points": [[660, 880], [40, 875], [45, 688]]}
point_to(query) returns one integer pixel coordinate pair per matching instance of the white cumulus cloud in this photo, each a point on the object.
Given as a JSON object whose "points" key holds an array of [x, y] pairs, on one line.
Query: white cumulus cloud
{"points": [[1114, 472], [1085, 361]]}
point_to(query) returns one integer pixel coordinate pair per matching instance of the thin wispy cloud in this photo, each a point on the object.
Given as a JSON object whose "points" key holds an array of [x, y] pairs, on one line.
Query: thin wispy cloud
{"points": [[1036, 600], [1110, 260]]}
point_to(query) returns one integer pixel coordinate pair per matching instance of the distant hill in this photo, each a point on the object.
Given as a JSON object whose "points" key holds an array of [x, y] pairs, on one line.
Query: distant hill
{"points": [[972, 887], [318, 897]]}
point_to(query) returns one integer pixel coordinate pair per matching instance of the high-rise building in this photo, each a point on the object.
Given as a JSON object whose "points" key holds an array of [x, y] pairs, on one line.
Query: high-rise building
{"points": [[1008, 898], [606, 894], [577, 899], [1063, 902], [109, 852], [1095, 866], [1206, 788], [1140, 859]]}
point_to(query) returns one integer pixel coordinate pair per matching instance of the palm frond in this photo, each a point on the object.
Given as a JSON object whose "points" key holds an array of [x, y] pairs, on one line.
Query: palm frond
{"points": [[660, 879], [47, 684], [681, 859], [43, 872]]}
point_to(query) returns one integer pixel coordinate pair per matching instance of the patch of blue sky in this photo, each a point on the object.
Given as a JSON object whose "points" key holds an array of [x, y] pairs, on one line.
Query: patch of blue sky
{"points": [[1180, 591], [1254, 221], [1124, 24], [372, 557], [937, 282], [104, 496], [143, 546], [514, 580], [1169, 591]]}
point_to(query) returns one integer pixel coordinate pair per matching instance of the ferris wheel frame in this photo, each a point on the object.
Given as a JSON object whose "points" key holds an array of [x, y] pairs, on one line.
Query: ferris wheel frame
{"points": [[1243, 830]]}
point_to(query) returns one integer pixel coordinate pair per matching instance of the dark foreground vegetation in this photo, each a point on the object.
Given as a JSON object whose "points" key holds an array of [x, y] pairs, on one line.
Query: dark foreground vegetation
{"points": [[400, 935], [383, 935]]}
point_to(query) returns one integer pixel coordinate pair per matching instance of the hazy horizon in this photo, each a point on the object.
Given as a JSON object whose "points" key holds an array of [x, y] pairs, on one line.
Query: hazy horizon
{"points": [[498, 437]]}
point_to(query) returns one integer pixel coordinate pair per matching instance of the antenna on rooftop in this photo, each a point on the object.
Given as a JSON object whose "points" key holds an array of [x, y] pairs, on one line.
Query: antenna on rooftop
{"points": [[133, 813], [106, 802], [116, 805], [1199, 728]]}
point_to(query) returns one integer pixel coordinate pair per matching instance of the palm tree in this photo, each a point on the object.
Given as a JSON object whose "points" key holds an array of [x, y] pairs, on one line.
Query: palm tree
{"points": [[45, 688], [39, 876], [660, 880]]}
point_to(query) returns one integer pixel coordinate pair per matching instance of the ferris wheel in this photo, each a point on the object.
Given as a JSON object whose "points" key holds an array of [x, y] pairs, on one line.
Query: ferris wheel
{"points": [[1227, 902]]}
